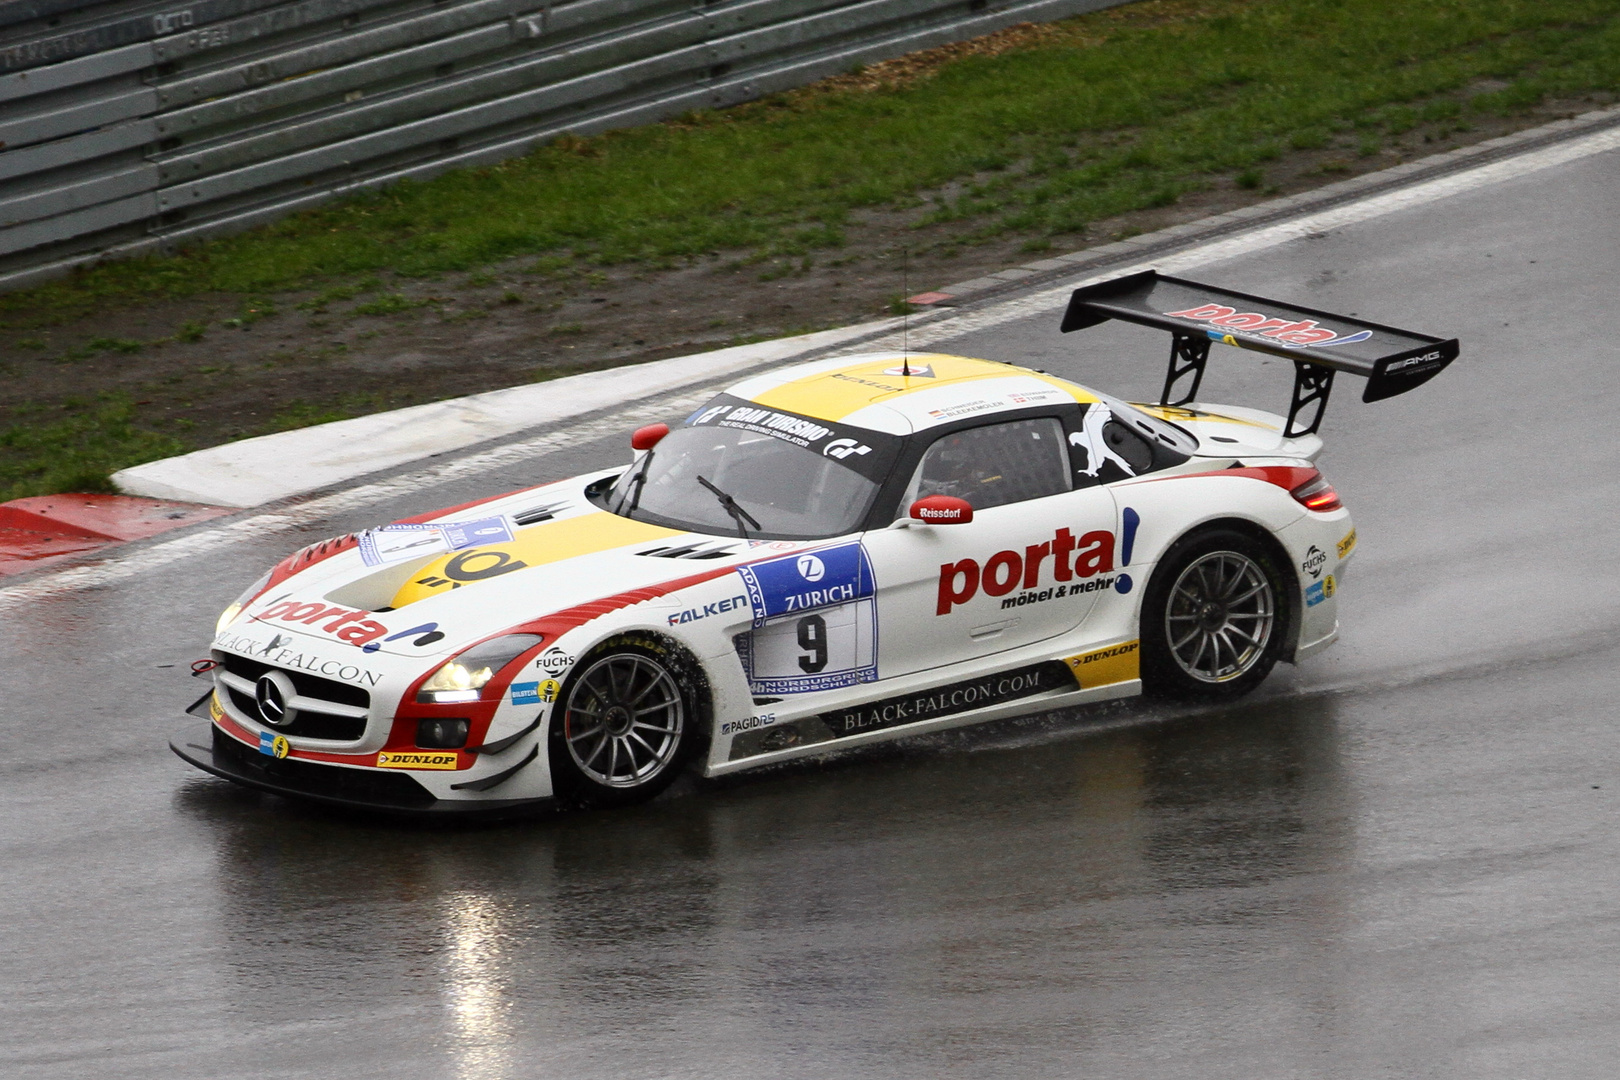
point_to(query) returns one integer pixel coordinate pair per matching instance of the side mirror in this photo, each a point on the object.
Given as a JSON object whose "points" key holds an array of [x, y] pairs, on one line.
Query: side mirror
{"points": [[645, 438], [942, 510]]}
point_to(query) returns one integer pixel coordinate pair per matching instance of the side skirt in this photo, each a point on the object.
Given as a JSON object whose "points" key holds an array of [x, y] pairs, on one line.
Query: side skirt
{"points": [[1020, 707]]}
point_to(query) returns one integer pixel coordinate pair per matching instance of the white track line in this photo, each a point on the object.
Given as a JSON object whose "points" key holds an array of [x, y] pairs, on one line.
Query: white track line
{"points": [[144, 559]]}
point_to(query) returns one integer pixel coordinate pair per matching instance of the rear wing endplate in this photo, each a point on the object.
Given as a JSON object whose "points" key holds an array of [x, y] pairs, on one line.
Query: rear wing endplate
{"points": [[1319, 343]]}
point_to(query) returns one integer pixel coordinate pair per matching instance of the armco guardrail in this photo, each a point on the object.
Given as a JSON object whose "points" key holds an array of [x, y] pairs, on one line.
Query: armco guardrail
{"points": [[128, 125]]}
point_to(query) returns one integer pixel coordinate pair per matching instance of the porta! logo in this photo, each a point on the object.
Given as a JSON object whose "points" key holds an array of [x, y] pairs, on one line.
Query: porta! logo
{"points": [[1301, 334]]}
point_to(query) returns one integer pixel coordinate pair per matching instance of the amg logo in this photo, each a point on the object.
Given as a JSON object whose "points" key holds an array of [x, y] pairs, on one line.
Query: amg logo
{"points": [[1414, 361]]}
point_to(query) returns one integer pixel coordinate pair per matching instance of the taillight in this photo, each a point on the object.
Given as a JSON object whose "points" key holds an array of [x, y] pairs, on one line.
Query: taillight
{"points": [[1317, 494]]}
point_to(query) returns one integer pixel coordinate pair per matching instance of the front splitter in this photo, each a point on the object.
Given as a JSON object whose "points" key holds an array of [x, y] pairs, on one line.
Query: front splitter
{"points": [[373, 792]]}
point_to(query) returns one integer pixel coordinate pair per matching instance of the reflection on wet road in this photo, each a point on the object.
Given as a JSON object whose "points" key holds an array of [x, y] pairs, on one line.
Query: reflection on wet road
{"points": [[1400, 859]]}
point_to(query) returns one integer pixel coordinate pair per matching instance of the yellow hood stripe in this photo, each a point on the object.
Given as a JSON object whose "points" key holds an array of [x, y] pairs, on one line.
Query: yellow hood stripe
{"points": [[834, 395], [548, 542]]}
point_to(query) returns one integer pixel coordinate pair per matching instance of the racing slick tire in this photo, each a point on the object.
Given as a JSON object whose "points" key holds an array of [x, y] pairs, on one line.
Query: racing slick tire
{"points": [[1214, 617], [632, 713]]}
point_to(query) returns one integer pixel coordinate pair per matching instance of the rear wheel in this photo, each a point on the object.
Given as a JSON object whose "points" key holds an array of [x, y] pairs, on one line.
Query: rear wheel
{"points": [[626, 726], [1212, 618]]}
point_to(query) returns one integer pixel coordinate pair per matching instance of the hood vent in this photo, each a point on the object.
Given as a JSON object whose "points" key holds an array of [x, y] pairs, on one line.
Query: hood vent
{"points": [[690, 551], [536, 514]]}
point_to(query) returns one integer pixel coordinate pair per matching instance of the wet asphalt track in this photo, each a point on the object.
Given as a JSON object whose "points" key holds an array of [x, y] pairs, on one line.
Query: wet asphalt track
{"points": [[1398, 860]]}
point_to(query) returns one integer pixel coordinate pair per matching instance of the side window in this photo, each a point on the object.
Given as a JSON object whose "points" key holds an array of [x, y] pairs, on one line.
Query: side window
{"points": [[994, 465]]}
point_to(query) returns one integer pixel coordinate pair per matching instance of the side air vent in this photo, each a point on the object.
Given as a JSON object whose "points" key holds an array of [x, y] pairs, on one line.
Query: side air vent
{"points": [[690, 551], [536, 514]]}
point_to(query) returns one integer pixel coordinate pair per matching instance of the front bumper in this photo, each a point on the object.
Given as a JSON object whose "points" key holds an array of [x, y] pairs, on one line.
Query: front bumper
{"points": [[374, 791]]}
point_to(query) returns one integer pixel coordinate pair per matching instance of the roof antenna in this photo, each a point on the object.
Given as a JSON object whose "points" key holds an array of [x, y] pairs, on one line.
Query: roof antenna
{"points": [[905, 312]]}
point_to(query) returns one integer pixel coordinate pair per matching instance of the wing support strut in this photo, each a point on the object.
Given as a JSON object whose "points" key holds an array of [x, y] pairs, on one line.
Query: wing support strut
{"points": [[1188, 355], [1312, 385]]}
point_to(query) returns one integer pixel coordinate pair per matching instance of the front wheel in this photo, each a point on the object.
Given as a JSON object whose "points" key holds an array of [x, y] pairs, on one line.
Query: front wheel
{"points": [[625, 727], [1212, 618]]}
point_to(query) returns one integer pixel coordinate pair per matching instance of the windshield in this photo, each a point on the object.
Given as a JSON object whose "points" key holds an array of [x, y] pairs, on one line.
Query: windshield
{"points": [[783, 491]]}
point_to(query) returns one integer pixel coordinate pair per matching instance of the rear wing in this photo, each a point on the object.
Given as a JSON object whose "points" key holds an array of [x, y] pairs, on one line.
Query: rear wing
{"points": [[1319, 343]]}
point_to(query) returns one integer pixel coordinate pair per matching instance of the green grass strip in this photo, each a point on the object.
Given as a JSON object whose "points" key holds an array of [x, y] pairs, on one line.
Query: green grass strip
{"points": [[75, 448]]}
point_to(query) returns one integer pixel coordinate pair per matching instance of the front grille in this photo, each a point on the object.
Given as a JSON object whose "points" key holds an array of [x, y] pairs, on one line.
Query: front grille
{"points": [[331, 710]]}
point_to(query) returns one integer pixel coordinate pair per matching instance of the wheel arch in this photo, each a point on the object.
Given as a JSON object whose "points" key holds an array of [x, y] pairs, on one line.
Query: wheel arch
{"points": [[693, 677], [1289, 602]]}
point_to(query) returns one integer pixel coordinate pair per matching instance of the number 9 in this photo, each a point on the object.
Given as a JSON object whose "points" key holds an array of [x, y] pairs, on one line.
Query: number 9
{"points": [[813, 637]]}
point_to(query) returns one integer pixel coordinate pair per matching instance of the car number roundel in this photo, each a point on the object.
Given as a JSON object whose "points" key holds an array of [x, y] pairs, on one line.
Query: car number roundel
{"points": [[815, 621]]}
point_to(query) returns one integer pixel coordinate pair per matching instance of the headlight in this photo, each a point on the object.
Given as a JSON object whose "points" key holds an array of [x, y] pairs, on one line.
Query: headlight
{"points": [[229, 615], [464, 677]]}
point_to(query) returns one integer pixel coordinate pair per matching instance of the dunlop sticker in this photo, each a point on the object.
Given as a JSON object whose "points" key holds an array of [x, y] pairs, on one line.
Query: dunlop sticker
{"points": [[407, 759], [1104, 667]]}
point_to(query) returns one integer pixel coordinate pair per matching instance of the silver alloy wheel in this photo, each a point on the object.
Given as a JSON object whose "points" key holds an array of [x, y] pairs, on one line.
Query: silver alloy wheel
{"points": [[1220, 616], [624, 720]]}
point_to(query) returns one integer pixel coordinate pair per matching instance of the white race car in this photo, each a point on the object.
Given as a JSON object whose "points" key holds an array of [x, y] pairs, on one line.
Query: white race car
{"points": [[825, 556]]}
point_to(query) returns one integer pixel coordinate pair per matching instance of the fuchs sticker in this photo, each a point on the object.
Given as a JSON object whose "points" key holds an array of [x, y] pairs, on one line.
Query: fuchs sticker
{"points": [[792, 584], [554, 661], [958, 697], [1348, 544], [1315, 559], [407, 759], [1290, 333]]}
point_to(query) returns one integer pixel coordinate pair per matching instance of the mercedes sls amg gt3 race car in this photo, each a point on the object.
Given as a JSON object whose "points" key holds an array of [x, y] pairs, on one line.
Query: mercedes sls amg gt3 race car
{"points": [[848, 551]]}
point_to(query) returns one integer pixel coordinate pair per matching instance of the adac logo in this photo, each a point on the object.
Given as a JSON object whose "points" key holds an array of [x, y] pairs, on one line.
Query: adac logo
{"points": [[1348, 544], [914, 371], [1300, 334], [1315, 559], [1074, 561]]}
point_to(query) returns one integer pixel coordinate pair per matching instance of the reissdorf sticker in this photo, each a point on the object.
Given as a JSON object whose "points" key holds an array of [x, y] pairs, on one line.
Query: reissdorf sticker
{"points": [[958, 697], [408, 759]]}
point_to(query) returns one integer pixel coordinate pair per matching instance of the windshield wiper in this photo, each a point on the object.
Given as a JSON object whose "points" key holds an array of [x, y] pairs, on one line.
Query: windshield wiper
{"points": [[738, 514], [634, 486]]}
